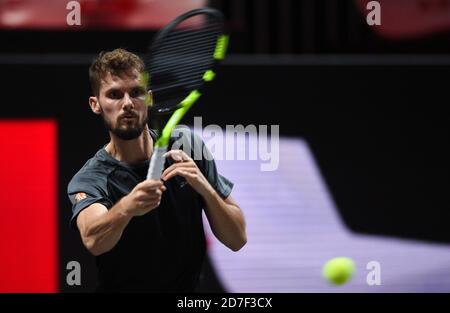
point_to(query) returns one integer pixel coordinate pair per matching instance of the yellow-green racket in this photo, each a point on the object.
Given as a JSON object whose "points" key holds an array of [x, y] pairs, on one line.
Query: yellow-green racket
{"points": [[182, 60]]}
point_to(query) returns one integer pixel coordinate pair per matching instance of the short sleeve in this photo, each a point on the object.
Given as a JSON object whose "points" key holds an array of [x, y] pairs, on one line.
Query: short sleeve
{"points": [[85, 189], [207, 165]]}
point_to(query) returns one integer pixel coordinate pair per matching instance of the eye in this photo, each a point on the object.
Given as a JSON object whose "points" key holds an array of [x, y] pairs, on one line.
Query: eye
{"points": [[115, 94], [137, 92]]}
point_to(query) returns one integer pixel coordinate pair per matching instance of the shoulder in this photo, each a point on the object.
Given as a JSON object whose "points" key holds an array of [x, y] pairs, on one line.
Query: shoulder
{"points": [[93, 173]]}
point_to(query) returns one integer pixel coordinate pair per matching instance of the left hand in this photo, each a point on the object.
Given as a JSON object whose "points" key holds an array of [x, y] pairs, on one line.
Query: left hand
{"points": [[186, 168]]}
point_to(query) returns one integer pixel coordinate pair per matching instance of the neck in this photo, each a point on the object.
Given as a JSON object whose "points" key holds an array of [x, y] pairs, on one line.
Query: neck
{"points": [[131, 151]]}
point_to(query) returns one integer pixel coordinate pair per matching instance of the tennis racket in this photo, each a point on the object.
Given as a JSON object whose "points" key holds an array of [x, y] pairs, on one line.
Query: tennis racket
{"points": [[181, 62]]}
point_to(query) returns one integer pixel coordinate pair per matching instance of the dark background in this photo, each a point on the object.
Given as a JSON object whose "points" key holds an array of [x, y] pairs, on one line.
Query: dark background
{"points": [[375, 117]]}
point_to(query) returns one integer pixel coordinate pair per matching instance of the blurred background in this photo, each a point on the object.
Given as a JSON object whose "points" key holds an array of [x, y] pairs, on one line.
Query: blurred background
{"points": [[364, 129]]}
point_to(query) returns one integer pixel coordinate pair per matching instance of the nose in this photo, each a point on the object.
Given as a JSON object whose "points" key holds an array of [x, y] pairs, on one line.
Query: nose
{"points": [[127, 102]]}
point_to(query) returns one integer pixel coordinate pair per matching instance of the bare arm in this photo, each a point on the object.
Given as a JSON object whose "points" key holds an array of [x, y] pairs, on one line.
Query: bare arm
{"points": [[101, 229], [225, 216], [226, 220]]}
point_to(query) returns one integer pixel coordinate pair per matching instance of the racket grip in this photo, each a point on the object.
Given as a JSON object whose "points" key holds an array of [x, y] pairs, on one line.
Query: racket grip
{"points": [[157, 163]]}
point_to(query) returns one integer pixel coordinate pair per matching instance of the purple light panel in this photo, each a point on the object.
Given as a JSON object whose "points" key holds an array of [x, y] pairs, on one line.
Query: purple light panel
{"points": [[294, 228]]}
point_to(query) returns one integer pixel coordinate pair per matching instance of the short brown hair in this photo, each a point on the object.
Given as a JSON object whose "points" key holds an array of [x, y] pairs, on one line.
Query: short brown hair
{"points": [[116, 62]]}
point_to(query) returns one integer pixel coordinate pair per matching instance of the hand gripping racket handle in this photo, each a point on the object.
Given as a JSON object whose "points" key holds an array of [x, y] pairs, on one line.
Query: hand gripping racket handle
{"points": [[157, 163]]}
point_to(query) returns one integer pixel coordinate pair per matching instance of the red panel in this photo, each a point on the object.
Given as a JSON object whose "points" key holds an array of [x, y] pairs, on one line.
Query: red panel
{"points": [[116, 14], [403, 19], [28, 206]]}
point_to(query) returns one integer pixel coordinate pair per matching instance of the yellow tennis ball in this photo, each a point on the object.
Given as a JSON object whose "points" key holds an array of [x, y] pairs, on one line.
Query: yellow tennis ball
{"points": [[339, 270]]}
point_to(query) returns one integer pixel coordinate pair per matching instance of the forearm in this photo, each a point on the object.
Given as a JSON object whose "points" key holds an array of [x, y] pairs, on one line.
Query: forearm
{"points": [[226, 220], [101, 228], [105, 231], [225, 217]]}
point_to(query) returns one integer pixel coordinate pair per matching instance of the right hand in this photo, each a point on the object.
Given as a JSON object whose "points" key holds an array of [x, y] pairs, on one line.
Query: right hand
{"points": [[145, 197]]}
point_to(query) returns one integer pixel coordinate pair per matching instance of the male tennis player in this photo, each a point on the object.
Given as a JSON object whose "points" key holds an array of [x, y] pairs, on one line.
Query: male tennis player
{"points": [[147, 235]]}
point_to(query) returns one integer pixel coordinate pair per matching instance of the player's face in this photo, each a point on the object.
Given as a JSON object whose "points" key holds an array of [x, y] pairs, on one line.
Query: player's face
{"points": [[123, 104]]}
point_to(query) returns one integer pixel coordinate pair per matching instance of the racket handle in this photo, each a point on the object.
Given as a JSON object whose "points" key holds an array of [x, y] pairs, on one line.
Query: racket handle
{"points": [[156, 163]]}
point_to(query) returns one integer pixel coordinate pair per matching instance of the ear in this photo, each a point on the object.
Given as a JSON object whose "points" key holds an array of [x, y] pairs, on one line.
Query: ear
{"points": [[149, 98], [95, 105]]}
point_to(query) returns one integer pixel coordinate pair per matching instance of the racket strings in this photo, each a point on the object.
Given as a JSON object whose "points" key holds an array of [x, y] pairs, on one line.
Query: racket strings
{"points": [[173, 62], [179, 34], [178, 63], [173, 40], [185, 43], [178, 73], [170, 53], [206, 39], [186, 69], [206, 48]]}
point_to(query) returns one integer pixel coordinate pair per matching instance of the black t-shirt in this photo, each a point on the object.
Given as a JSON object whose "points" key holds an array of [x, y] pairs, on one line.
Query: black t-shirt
{"points": [[163, 250]]}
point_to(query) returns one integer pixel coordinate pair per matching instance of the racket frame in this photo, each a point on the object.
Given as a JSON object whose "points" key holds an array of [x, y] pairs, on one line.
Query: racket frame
{"points": [[161, 145]]}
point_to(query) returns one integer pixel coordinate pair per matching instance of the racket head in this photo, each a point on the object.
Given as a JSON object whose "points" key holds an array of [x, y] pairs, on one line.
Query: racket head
{"points": [[182, 58]]}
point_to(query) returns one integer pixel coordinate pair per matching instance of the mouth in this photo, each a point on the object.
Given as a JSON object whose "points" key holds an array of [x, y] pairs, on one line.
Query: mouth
{"points": [[128, 117]]}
